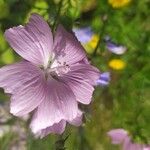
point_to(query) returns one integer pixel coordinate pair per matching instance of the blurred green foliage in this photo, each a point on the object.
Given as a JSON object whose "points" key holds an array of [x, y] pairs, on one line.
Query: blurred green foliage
{"points": [[125, 103]]}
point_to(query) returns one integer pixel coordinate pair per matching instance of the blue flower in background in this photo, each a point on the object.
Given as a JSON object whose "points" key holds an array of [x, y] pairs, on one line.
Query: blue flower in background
{"points": [[104, 79], [84, 35], [113, 47]]}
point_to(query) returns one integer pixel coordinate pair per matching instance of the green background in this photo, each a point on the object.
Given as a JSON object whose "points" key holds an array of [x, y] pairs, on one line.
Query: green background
{"points": [[125, 103]]}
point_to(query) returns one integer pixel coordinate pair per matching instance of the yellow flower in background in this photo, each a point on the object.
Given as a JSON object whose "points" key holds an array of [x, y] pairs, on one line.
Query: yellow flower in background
{"points": [[118, 3], [88, 39], [117, 64], [91, 45], [94, 40]]}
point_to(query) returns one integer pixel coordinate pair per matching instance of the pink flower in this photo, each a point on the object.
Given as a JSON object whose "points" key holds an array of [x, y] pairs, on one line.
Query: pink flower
{"points": [[147, 148], [53, 77], [120, 136]]}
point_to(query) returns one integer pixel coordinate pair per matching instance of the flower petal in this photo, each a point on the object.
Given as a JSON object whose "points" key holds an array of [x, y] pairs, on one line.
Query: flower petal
{"points": [[66, 47], [146, 148], [26, 84], [136, 146], [127, 144], [116, 49], [57, 128], [33, 42], [59, 104], [84, 35], [104, 79], [117, 135], [81, 80], [77, 121]]}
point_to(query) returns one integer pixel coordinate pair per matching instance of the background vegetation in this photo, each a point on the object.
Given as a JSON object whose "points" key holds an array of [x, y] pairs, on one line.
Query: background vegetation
{"points": [[125, 103]]}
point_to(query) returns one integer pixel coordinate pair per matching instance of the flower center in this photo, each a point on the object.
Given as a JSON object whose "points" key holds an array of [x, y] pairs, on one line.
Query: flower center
{"points": [[56, 68]]}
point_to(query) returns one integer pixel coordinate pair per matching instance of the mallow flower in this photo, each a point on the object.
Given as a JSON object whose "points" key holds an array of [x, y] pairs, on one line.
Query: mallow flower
{"points": [[121, 136], [52, 78]]}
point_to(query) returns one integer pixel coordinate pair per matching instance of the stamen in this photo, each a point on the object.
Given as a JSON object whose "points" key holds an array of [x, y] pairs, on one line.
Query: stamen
{"points": [[56, 68]]}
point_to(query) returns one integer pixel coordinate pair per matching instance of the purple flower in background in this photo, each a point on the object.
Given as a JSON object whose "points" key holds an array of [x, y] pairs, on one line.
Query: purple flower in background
{"points": [[104, 79], [53, 77], [84, 35], [113, 47], [120, 136]]}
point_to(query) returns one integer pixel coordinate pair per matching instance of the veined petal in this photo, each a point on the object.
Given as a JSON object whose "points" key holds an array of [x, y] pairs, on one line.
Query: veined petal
{"points": [[66, 47], [33, 42], [77, 121], [26, 84], [81, 78], [57, 128], [59, 104]]}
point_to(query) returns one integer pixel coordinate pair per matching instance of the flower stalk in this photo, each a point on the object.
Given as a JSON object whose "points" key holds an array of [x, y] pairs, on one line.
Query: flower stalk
{"points": [[101, 33], [58, 14], [60, 142]]}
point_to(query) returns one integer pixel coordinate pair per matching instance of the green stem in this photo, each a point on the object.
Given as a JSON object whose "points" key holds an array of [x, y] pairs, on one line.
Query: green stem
{"points": [[101, 33], [58, 14], [83, 141], [60, 142], [138, 112]]}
